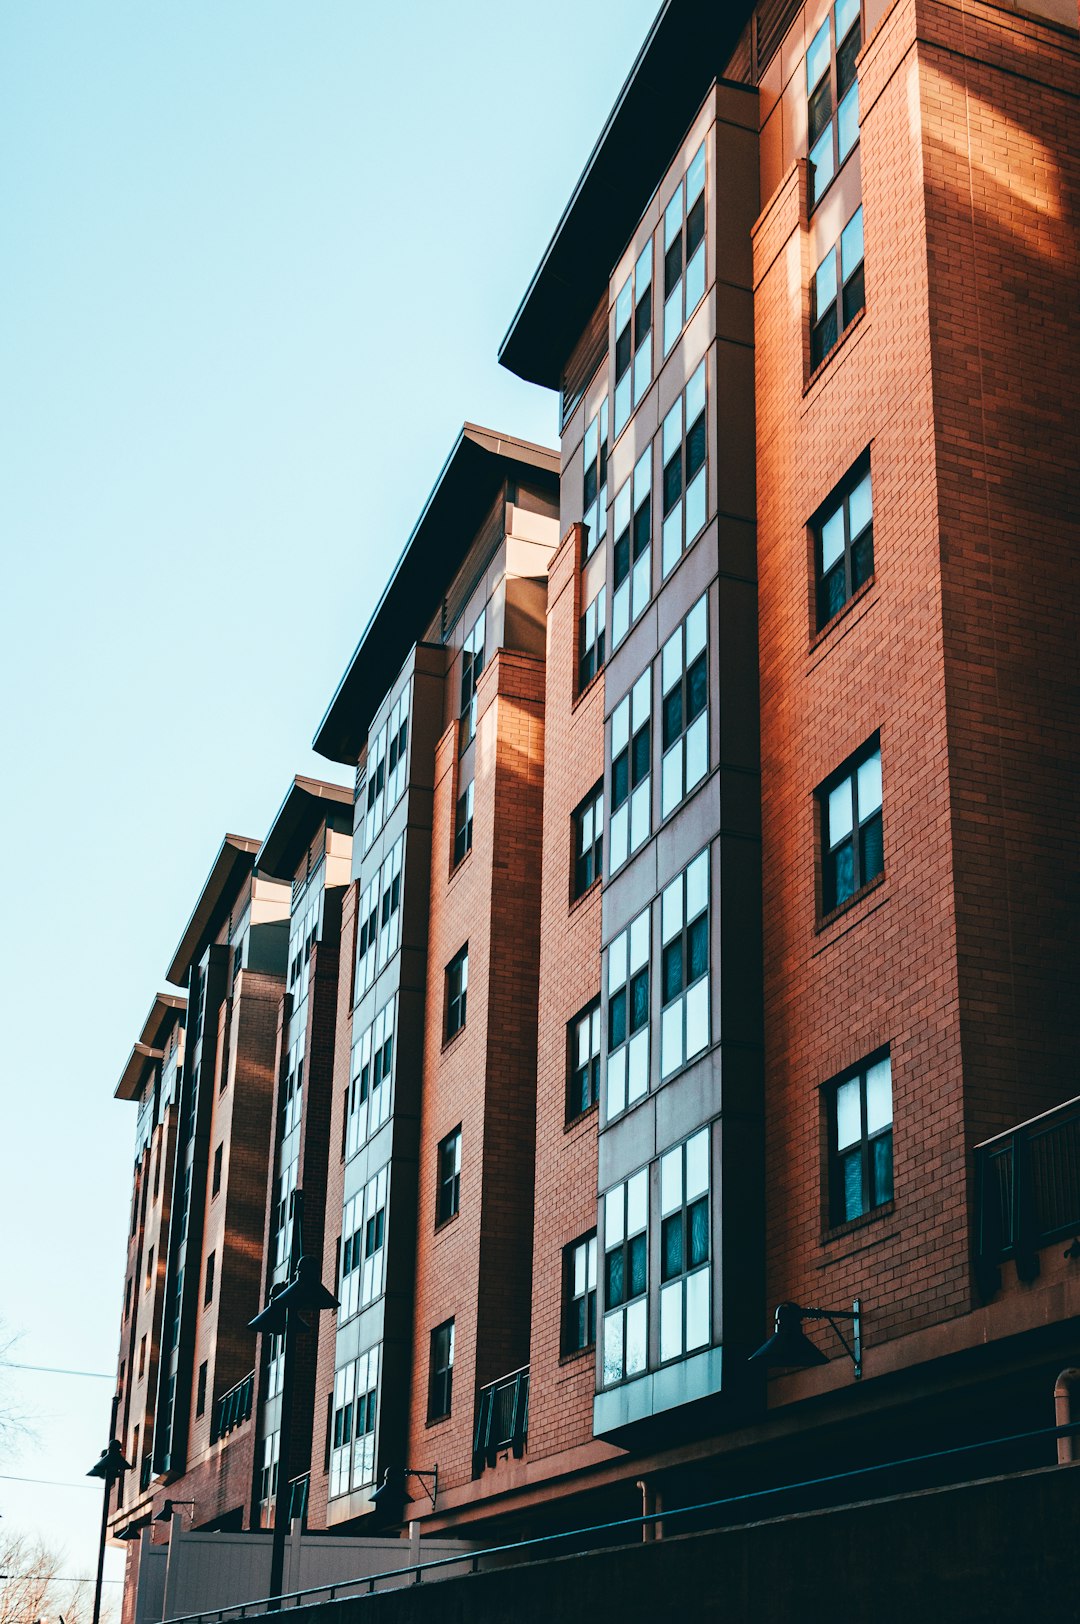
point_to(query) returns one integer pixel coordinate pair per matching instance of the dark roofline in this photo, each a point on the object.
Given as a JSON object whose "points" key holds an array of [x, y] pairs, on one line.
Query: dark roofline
{"points": [[231, 866], [308, 803], [165, 1011], [481, 459], [685, 51]]}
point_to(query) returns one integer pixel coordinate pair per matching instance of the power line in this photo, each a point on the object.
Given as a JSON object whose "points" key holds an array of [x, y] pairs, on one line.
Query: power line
{"points": [[57, 1370], [53, 1579], [51, 1482]]}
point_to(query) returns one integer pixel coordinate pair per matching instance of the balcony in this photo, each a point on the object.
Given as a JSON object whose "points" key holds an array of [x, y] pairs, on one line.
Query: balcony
{"points": [[234, 1407], [1027, 1194], [502, 1419]]}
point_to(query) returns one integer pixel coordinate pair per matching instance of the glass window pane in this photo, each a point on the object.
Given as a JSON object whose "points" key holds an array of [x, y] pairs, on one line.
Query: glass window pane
{"points": [[671, 1340], [869, 781], [642, 370], [695, 506], [671, 910], [639, 815], [615, 1277], [671, 661], [643, 269], [671, 549], [672, 433], [697, 752], [613, 1216], [638, 1066], [671, 1180], [613, 1339], [839, 813], [695, 630], [697, 1310], [697, 1165], [847, 121], [697, 1017], [673, 316], [623, 403], [881, 1170], [821, 157], [673, 215], [878, 1096], [624, 304], [832, 539], [637, 1201], [846, 13], [616, 1083], [636, 1342], [695, 279], [695, 394], [641, 699], [671, 1039], [695, 175], [825, 284], [671, 1246], [639, 940], [860, 506], [851, 1172], [848, 1114], [671, 780], [817, 57], [851, 244]]}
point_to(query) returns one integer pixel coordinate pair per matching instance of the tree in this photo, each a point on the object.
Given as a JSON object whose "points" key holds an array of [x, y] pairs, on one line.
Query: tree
{"points": [[14, 1424], [32, 1590]]}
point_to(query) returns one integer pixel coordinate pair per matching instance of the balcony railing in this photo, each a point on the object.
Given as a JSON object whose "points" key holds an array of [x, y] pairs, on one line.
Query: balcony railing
{"points": [[1027, 1193], [234, 1407], [502, 1419]]}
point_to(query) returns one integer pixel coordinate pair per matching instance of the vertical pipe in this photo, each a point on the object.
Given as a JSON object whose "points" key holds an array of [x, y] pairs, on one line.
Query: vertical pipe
{"points": [[1064, 1414]]}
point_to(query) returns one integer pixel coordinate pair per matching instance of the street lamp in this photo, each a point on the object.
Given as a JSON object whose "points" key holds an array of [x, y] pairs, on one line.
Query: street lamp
{"points": [[282, 1316], [168, 1506], [791, 1348], [109, 1467], [395, 1480]]}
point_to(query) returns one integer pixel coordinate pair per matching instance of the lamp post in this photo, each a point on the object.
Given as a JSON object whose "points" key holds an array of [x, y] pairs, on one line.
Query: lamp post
{"points": [[108, 1468], [304, 1294], [791, 1348]]}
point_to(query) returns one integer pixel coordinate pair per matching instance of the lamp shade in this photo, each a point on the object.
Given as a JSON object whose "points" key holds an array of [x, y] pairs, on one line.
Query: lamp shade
{"points": [[789, 1348], [111, 1463], [306, 1291]]}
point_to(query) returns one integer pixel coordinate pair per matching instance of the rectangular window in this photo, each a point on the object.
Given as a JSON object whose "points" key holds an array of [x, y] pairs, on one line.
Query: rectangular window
{"points": [[592, 639], [594, 504], [352, 1424], [292, 1088], [633, 338], [363, 1238], [215, 1183], [838, 291], [390, 905], [208, 1287], [142, 1358], [628, 1016], [149, 1269], [588, 825], [457, 988], [583, 1081], [685, 479], [185, 1204], [177, 1309], [367, 936], [844, 543], [632, 558], [441, 1371], [448, 1194], [579, 1294], [368, 1104], [832, 94], [472, 664], [631, 772], [684, 684], [626, 1279], [860, 1115], [268, 1471], [852, 849], [684, 1248], [200, 1390], [684, 932], [386, 769], [463, 823], [684, 250]]}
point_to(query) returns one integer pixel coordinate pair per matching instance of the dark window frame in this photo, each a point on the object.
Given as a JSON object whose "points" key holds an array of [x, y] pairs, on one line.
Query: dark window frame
{"points": [[579, 1308], [595, 450], [200, 1389], [871, 1153], [457, 988], [592, 639], [865, 840], [215, 1182], [448, 1190], [847, 299], [463, 822], [209, 1278], [855, 565], [583, 1079], [587, 824], [441, 1372]]}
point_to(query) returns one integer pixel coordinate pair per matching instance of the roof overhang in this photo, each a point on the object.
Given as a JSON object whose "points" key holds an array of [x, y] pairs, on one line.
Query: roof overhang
{"points": [[468, 484], [165, 1011], [309, 802], [685, 51], [231, 866]]}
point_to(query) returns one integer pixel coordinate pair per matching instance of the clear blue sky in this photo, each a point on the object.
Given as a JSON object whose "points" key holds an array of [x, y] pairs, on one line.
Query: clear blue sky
{"points": [[255, 262]]}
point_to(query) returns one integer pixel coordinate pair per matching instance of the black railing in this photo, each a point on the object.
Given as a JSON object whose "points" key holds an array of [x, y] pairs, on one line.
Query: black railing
{"points": [[1027, 1193], [234, 1407], [502, 1418]]}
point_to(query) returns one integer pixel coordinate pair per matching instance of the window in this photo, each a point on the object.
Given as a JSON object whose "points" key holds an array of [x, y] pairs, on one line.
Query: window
{"points": [[633, 339], [588, 822], [684, 1248], [390, 905], [386, 768], [352, 1425], [594, 504], [379, 934], [448, 1194], [268, 1470], [683, 445], [441, 1371], [142, 1358], [215, 1183], [363, 1237], [631, 772], [831, 85], [200, 1390], [149, 1269], [583, 1081], [463, 823], [472, 664], [684, 250], [684, 686], [282, 1211], [844, 543], [292, 1088], [591, 639], [579, 1294], [860, 1115], [185, 1203], [127, 1299], [851, 835], [684, 954], [457, 988], [632, 560], [838, 296], [368, 1104], [208, 1288], [628, 1016], [178, 1305], [626, 1278]]}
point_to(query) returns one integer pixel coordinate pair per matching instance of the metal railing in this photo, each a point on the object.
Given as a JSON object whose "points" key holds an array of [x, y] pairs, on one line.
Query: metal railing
{"points": [[234, 1407], [1027, 1193], [502, 1419], [746, 1508]]}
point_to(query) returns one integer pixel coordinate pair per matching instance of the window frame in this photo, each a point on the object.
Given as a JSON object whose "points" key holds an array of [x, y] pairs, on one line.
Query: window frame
{"points": [[847, 285], [473, 658], [632, 523], [441, 1375], [448, 1185], [587, 825], [580, 1267], [583, 1076], [684, 442], [684, 224], [684, 658], [630, 755], [456, 994], [628, 1039], [838, 77], [623, 1229], [838, 503], [691, 1000], [677, 1210], [592, 639], [632, 353], [863, 1147], [848, 772], [463, 823], [595, 452]]}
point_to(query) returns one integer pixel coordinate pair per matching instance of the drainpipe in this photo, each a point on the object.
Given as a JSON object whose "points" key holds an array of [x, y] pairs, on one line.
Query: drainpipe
{"points": [[1066, 1411], [651, 1505]]}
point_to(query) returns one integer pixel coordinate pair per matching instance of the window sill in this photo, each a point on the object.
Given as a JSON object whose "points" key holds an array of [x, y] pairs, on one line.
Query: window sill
{"points": [[437, 1421], [842, 617], [578, 902], [581, 694], [456, 868], [582, 1117], [839, 1232], [826, 361], [444, 1224], [448, 1043], [578, 1355], [826, 922]]}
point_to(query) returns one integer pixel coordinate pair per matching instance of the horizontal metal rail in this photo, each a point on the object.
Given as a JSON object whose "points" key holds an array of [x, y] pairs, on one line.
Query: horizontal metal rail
{"points": [[753, 1498]]}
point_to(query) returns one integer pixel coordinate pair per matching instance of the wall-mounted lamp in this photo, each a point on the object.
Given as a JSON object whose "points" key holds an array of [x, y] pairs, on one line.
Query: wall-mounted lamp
{"points": [[169, 1506], [395, 1481], [790, 1348]]}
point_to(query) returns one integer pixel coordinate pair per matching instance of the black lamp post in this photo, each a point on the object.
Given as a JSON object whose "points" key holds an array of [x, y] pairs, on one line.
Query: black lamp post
{"points": [[391, 1490], [790, 1348], [282, 1316], [109, 1467]]}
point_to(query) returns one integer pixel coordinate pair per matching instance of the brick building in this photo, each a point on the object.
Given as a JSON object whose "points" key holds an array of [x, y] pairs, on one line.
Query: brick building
{"points": [[710, 936]]}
